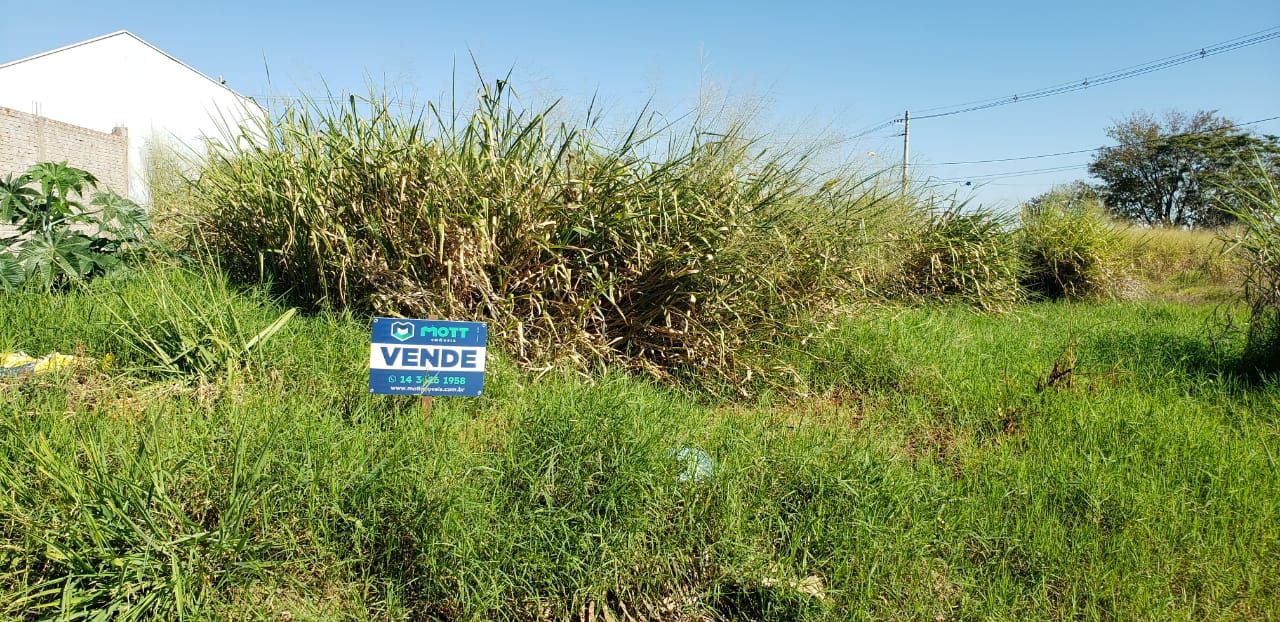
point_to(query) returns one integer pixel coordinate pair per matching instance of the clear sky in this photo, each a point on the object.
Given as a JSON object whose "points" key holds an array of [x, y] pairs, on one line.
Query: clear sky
{"points": [[820, 70]]}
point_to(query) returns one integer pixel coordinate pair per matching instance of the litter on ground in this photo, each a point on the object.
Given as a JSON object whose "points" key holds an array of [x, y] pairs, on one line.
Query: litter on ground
{"points": [[19, 363]]}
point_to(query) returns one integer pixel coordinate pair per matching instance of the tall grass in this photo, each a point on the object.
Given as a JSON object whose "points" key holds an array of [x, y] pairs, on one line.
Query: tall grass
{"points": [[664, 250], [189, 321], [168, 168], [1182, 264], [1258, 241], [113, 533], [1071, 248], [966, 255]]}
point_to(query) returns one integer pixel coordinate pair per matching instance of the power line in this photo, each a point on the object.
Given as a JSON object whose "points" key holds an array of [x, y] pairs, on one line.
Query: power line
{"points": [[1124, 69], [1117, 75], [1058, 169], [1256, 38], [1032, 157], [1079, 151], [877, 127], [1023, 173]]}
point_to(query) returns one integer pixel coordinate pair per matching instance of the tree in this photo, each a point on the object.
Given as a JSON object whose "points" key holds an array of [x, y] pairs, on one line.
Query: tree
{"points": [[1071, 196], [1178, 170]]}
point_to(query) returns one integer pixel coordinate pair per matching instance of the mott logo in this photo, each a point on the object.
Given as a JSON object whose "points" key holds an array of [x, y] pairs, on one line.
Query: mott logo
{"points": [[402, 331]]}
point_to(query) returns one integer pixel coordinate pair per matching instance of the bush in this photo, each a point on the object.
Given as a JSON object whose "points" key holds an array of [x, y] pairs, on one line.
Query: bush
{"points": [[1258, 241], [59, 241], [679, 258], [966, 255], [1071, 249]]}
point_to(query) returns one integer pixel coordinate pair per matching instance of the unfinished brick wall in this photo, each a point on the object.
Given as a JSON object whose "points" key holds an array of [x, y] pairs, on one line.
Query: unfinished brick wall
{"points": [[26, 139]]}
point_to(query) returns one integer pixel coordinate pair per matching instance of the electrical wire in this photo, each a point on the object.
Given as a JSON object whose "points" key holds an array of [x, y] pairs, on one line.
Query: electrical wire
{"points": [[1131, 67], [1056, 169], [1132, 71], [875, 128], [1023, 173], [1256, 38], [1079, 151]]}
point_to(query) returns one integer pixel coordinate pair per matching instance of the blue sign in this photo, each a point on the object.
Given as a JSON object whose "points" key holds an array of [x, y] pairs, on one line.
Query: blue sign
{"points": [[426, 357]]}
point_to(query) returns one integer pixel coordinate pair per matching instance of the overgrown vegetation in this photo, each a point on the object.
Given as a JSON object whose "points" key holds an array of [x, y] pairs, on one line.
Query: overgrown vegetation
{"points": [[954, 483], [58, 240], [180, 321], [1259, 242], [663, 251], [1071, 248], [169, 171], [966, 255], [214, 455], [1187, 265]]}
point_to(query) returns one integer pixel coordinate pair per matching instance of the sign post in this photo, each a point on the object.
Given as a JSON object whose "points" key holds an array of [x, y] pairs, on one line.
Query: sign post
{"points": [[426, 358]]}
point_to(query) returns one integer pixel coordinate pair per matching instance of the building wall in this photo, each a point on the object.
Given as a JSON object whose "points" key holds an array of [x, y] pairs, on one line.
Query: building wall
{"points": [[26, 139], [120, 81]]}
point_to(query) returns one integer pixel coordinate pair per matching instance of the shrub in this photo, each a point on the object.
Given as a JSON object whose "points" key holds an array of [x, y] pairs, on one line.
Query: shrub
{"points": [[964, 255], [1258, 241], [673, 258], [59, 241], [1071, 249]]}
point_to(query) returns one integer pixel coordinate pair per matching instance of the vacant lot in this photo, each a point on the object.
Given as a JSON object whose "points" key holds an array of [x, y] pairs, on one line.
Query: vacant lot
{"points": [[1062, 461]]}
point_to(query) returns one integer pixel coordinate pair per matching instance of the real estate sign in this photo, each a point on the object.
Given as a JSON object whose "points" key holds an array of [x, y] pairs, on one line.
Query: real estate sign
{"points": [[426, 357]]}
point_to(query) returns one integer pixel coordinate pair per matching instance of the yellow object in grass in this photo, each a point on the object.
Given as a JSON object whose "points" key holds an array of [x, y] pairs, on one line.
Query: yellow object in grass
{"points": [[14, 359], [56, 361], [17, 363]]}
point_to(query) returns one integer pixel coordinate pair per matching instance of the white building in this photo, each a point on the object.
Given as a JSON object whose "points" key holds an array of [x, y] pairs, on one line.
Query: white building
{"points": [[119, 80]]}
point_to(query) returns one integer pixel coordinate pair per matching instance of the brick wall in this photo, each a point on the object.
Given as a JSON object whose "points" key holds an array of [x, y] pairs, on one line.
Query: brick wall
{"points": [[26, 139]]}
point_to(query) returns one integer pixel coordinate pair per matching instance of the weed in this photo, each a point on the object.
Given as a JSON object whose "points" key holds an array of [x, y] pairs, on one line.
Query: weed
{"points": [[60, 241], [182, 321], [1258, 241], [1071, 250], [967, 255]]}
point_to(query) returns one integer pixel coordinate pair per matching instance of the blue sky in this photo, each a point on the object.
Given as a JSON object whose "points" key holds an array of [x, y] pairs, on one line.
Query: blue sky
{"points": [[816, 70]]}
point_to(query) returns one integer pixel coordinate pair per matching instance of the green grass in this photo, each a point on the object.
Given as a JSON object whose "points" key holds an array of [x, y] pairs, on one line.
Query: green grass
{"points": [[1071, 250], [957, 254], [933, 473]]}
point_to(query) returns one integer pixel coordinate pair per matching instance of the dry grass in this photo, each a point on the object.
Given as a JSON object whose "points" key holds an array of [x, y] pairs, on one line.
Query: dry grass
{"points": [[956, 254], [671, 252], [1181, 264]]}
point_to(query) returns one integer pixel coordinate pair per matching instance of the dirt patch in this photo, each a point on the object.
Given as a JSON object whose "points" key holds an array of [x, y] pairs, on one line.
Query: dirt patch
{"points": [[843, 408], [937, 444]]}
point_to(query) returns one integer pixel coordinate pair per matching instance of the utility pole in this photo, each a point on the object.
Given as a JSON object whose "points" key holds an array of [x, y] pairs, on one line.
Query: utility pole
{"points": [[906, 148]]}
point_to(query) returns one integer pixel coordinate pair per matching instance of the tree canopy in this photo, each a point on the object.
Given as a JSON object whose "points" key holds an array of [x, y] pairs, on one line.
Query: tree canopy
{"points": [[1177, 170]]}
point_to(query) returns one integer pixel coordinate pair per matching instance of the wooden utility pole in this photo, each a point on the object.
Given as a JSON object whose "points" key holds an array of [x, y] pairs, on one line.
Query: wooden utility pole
{"points": [[906, 149]]}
